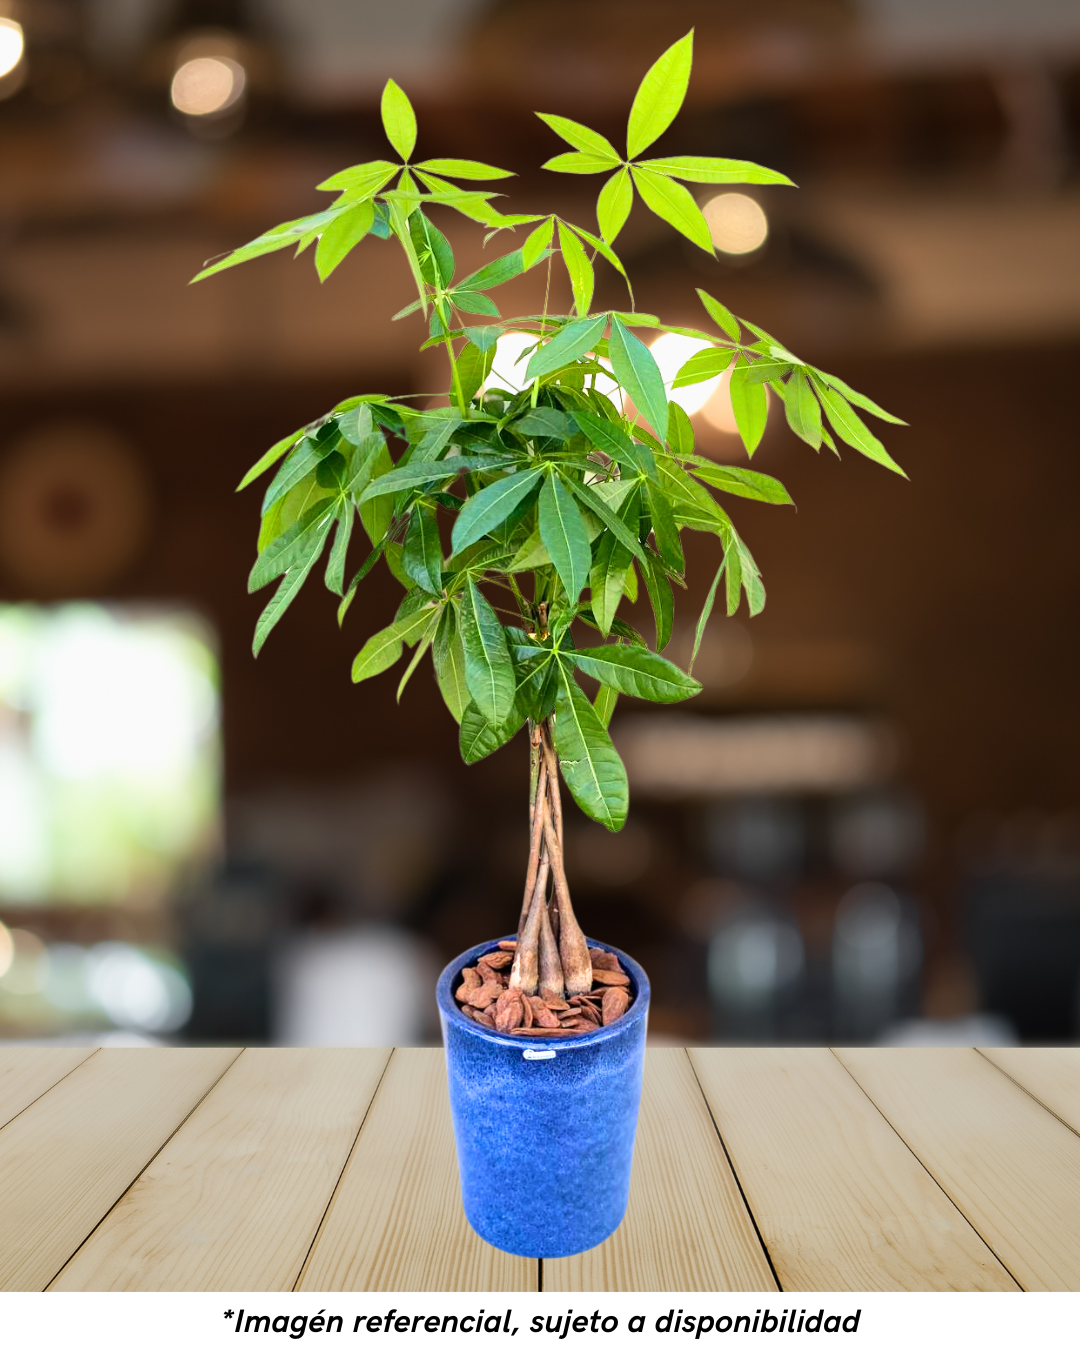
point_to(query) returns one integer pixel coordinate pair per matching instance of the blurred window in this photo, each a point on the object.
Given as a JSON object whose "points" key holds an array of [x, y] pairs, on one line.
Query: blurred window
{"points": [[109, 752]]}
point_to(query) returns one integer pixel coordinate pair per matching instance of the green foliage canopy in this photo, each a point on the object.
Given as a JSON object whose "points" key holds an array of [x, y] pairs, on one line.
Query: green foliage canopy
{"points": [[559, 503]]}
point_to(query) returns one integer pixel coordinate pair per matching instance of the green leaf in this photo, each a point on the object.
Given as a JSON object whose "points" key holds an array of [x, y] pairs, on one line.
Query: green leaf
{"points": [[271, 457], [418, 473], [607, 580], [576, 162], [490, 507], [383, 649], [660, 96], [765, 372], [706, 611], [464, 168], [485, 337], [750, 405], [283, 236], [283, 597], [495, 273], [673, 203], [700, 169], [448, 657], [680, 430], [473, 368], [661, 599], [850, 427], [472, 302], [635, 671], [580, 137], [479, 738], [614, 203], [422, 646], [376, 515], [582, 279], [802, 409], [593, 498], [704, 365], [758, 487], [398, 119], [565, 538], [693, 505], [571, 341], [421, 556], [301, 543], [304, 459], [733, 573], [721, 315], [361, 180], [615, 443], [604, 704], [636, 370], [433, 250], [545, 424], [365, 567], [489, 672], [537, 244], [665, 531], [860, 400], [751, 577], [590, 764], [342, 235], [335, 563], [612, 257]]}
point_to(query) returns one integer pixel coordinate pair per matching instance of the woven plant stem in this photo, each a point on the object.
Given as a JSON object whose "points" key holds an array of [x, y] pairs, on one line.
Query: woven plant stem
{"points": [[573, 950]]}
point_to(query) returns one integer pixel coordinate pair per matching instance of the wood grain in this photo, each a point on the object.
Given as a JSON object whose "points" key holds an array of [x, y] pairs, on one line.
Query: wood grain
{"points": [[1051, 1074], [686, 1227], [67, 1158], [839, 1200], [234, 1199], [26, 1072], [1011, 1166], [396, 1220]]}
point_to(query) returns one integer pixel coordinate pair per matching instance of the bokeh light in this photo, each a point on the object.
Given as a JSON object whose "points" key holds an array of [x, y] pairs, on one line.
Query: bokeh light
{"points": [[12, 45], [207, 84], [671, 351], [736, 222]]}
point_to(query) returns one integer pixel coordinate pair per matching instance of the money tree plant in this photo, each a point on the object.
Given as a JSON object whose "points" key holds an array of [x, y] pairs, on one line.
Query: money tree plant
{"points": [[519, 514]]}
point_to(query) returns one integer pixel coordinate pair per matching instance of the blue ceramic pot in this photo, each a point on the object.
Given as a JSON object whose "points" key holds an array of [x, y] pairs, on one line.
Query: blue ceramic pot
{"points": [[544, 1128]]}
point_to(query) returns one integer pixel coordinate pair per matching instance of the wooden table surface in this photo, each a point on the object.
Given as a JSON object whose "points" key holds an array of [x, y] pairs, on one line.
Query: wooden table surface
{"points": [[325, 1170]]}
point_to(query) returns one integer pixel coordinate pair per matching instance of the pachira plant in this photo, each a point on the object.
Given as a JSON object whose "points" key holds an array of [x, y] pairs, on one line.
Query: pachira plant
{"points": [[520, 514]]}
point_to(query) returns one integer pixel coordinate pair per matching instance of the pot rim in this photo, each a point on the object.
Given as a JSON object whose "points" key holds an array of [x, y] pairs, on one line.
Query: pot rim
{"points": [[448, 1006]]}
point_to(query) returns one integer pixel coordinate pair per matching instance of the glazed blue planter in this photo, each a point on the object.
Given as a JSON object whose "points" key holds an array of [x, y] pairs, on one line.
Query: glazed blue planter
{"points": [[544, 1128]]}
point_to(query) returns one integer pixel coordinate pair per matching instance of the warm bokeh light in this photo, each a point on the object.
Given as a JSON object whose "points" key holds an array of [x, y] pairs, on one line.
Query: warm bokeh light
{"points": [[736, 222], [671, 351], [207, 84], [12, 45]]}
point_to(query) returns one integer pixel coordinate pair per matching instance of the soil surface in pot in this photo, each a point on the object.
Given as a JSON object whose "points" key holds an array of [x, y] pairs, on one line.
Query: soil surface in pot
{"points": [[484, 995]]}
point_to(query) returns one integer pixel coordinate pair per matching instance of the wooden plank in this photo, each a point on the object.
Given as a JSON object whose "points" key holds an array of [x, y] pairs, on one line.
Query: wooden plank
{"points": [[839, 1200], [1008, 1164], [396, 1220], [1051, 1074], [686, 1227], [27, 1072], [235, 1198], [70, 1156]]}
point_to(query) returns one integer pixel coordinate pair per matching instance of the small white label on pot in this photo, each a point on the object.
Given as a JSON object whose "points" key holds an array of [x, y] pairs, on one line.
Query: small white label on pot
{"points": [[538, 1054]]}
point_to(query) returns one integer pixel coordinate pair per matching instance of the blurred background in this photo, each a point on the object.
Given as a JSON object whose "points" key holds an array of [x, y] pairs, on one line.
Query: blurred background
{"points": [[867, 828]]}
